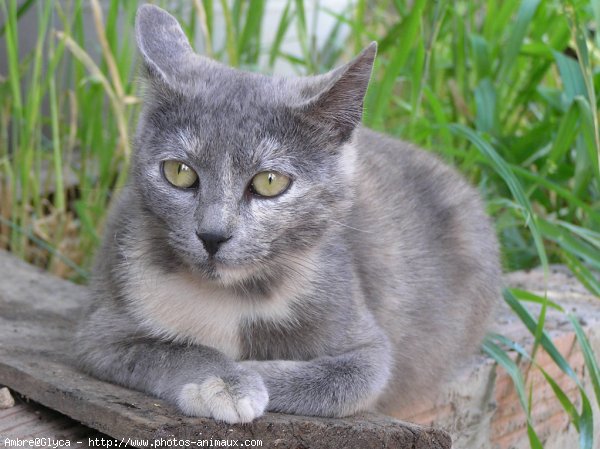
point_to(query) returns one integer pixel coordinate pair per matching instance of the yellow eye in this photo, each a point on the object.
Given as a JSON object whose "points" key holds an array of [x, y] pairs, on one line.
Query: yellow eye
{"points": [[269, 183], [179, 174]]}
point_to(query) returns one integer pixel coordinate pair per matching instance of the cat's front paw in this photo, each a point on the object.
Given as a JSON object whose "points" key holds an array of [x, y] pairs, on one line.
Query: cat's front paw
{"points": [[231, 399]]}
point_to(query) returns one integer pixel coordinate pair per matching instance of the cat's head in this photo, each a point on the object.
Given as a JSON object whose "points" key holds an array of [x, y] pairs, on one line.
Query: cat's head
{"points": [[244, 173]]}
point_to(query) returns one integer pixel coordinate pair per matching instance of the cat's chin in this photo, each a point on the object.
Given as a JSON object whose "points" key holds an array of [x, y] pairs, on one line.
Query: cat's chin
{"points": [[229, 275], [235, 275]]}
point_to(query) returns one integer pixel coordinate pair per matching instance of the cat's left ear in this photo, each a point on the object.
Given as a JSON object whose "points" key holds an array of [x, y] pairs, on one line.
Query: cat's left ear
{"points": [[162, 43], [336, 99]]}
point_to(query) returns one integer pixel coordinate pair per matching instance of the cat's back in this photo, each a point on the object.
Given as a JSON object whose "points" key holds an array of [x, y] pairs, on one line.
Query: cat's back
{"points": [[403, 167], [426, 254], [409, 192]]}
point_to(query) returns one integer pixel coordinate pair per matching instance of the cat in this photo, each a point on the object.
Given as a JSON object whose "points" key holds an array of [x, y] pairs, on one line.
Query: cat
{"points": [[269, 253]]}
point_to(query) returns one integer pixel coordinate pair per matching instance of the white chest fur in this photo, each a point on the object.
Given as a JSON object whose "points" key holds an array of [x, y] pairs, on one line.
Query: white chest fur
{"points": [[179, 306]]}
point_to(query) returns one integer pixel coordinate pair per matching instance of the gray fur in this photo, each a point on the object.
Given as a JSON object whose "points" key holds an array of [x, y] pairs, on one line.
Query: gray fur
{"points": [[362, 286]]}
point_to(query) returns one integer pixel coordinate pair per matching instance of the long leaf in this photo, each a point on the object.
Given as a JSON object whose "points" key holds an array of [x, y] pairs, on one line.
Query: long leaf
{"points": [[545, 340], [492, 157]]}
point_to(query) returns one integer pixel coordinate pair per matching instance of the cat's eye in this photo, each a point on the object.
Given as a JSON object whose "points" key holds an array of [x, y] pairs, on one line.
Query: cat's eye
{"points": [[269, 183], [179, 174]]}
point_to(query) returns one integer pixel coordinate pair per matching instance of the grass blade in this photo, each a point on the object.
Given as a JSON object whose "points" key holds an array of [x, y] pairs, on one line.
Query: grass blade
{"points": [[282, 28], [570, 243], [588, 356], [407, 32], [517, 36], [545, 341], [502, 168]]}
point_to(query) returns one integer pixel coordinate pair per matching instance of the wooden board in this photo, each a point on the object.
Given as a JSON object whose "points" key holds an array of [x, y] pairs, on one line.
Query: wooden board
{"points": [[37, 316], [31, 421]]}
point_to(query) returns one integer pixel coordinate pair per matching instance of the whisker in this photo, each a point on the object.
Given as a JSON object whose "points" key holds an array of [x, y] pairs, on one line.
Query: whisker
{"points": [[351, 227]]}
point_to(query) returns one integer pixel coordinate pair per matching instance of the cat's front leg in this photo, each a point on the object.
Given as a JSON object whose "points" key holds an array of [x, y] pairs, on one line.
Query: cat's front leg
{"points": [[199, 380], [332, 386]]}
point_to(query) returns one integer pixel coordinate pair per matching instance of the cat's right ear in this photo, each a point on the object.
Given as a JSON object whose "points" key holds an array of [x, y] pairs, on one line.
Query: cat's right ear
{"points": [[162, 43], [336, 99]]}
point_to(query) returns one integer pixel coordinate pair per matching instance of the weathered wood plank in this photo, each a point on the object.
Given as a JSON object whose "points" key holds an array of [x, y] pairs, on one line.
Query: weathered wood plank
{"points": [[37, 316], [30, 421]]}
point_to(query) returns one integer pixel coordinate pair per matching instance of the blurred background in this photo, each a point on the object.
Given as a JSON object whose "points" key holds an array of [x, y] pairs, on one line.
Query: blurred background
{"points": [[506, 91]]}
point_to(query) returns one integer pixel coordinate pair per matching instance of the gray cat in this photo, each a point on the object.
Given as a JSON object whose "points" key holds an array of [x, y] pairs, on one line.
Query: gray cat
{"points": [[269, 253]]}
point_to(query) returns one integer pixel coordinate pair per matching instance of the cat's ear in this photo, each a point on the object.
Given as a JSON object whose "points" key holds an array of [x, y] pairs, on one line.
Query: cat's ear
{"points": [[336, 98], [161, 41]]}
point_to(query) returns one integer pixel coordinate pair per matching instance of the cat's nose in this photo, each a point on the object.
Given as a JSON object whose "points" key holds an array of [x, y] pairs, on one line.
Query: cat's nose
{"points": [[211, 241]]}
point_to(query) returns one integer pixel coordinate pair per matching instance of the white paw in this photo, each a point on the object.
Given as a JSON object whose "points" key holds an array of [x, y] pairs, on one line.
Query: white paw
{"points": [[231, 402]]}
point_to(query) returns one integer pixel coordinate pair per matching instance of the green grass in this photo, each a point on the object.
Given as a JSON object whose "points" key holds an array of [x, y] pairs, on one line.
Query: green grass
{"points": [[504, 90]]}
